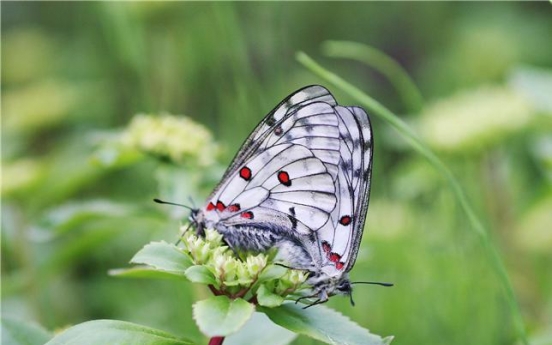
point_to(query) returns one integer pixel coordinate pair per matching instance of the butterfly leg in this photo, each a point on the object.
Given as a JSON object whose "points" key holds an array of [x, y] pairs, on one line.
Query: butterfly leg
{"points": [[182, 234], [305, 297], [322, 298]]}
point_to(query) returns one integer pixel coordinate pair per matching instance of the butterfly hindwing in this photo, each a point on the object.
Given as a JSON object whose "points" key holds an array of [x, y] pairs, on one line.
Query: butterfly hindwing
{"points": [[337, 240]]}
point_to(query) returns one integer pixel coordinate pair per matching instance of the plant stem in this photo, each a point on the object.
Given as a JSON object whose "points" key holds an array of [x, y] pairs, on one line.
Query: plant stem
{"points": [[216, 341], [419, 146]]}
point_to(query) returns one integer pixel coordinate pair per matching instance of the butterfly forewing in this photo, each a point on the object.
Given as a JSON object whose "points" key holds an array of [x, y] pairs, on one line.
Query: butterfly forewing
{"points": [[286, 108], [273, 173]]}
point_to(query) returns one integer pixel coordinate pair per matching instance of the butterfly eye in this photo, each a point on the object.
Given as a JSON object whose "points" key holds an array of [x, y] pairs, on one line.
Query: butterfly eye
{"points": [[345, 287]]}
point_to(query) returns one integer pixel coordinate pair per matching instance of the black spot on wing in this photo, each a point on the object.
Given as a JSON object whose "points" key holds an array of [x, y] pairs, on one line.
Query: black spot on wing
{"points": [[292, 218], [366, 175], [346, 136], [271, 121], [367, 145], [346, 165]]}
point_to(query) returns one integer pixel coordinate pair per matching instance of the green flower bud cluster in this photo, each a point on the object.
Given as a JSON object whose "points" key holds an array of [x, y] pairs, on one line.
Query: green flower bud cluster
{"points": [[178, 139], [240, 274], [291, 281]]}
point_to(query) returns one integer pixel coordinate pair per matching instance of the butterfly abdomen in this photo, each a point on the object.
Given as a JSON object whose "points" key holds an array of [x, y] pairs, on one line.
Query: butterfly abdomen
{"points": [[256, 238]]}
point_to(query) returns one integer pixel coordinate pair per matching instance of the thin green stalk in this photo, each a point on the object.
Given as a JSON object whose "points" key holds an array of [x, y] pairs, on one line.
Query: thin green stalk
{"points": [[406, 88], [408, 134]]}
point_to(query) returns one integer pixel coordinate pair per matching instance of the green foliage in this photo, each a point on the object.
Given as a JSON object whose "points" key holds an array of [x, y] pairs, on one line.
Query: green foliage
{"points": [[116, 333], [19, 332], [163, 257], [259, 330], [221, 316], [323, 324], [239, 286]]}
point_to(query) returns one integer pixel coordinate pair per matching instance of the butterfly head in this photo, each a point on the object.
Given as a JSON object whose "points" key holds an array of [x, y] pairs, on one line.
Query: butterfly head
{"points": [[325, 286], [194, 215]]}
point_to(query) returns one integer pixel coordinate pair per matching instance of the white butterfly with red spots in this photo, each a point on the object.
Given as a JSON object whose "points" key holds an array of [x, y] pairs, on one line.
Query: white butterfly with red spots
{"points": [[300, 182]]}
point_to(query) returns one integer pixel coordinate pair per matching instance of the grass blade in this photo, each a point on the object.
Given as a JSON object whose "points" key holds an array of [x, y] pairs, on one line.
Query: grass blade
{"points": [[391, 69], [408, 134]]}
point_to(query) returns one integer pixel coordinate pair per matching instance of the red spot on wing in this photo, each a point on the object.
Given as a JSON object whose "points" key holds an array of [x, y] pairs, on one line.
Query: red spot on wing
{"points": [[278, 131], [234, 208], [247, 214], [326, 247], [220, 206], [339, 265], [210, 206], [283, 177], [334, 257], [245, 173], [345, 220]]}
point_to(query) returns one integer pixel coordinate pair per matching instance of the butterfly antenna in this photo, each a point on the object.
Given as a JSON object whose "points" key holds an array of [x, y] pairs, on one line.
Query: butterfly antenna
{"points": [[172, 203], [375, 283], [192, 201]]}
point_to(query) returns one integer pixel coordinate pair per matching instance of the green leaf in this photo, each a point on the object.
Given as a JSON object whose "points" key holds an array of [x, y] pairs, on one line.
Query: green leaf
{"points": [[114, 332], [144, 272], [323, 324], [259, 330], [19, 332], [266, 298], [164, 257], [221, 316], [201, 275]]}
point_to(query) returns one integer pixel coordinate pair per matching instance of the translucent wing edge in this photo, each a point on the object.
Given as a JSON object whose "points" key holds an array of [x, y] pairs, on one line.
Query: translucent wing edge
{"points": [[363, 121]]}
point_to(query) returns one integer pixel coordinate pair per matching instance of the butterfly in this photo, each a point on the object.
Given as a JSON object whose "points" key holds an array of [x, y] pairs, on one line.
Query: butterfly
{"points": [[301, 183]]}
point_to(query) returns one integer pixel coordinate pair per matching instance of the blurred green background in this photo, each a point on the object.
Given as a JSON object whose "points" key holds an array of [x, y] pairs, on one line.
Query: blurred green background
{"points": [[76, 196]]}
